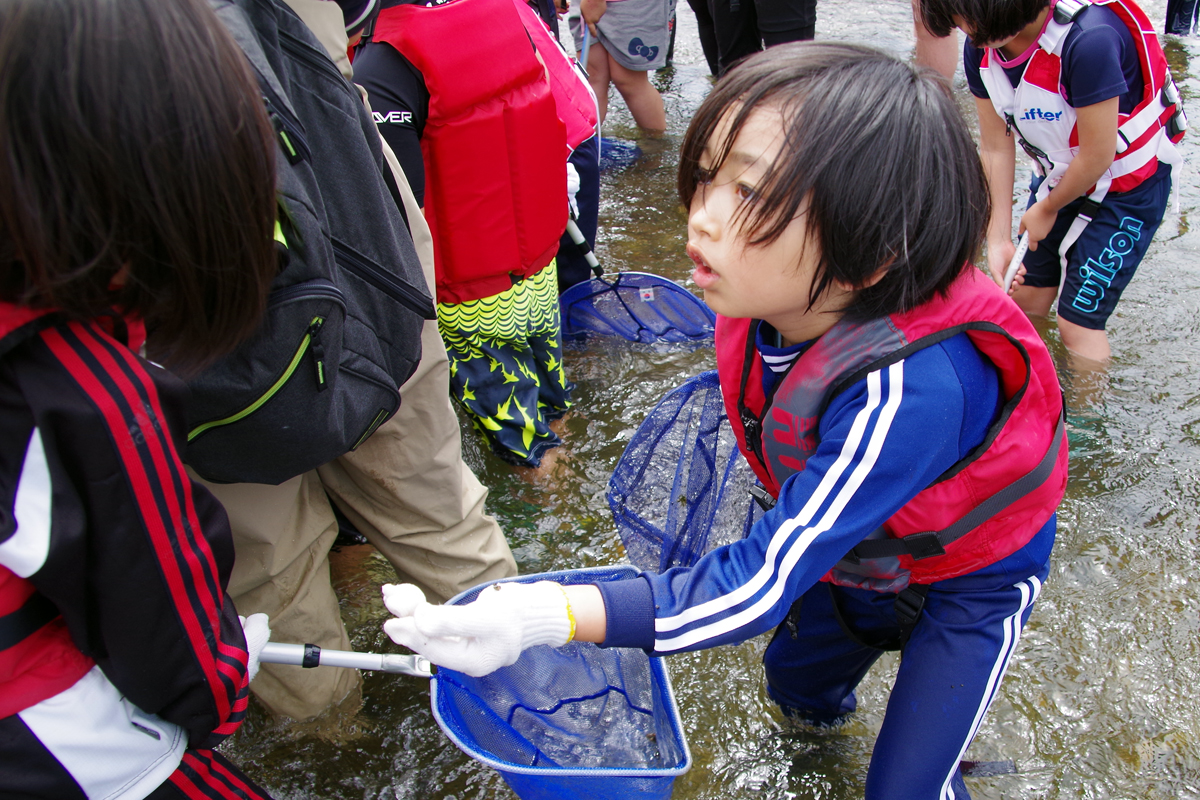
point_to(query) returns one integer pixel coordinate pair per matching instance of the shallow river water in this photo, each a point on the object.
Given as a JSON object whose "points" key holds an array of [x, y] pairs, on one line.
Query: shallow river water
{"points": [[1101, 700]]}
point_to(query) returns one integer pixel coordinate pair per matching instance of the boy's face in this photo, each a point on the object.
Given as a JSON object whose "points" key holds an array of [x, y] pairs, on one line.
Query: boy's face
{"points": [[771, 282]]}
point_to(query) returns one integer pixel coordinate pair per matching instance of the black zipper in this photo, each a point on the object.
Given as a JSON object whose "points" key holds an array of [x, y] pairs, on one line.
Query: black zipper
{"points": [[400, 291], [302, 51], [305, 290], [287, 128], [317, 348]]}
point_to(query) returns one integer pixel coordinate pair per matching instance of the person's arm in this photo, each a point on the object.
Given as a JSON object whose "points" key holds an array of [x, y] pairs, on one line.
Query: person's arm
{"points": [[997, 151], [592, 11], [1097, 127], [138, 556], [399, 103], [882, 442], [1096, 82]]}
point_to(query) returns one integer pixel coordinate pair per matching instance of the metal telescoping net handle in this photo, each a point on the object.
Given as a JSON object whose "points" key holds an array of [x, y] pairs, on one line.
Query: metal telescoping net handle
{"points": [[309, 655]]}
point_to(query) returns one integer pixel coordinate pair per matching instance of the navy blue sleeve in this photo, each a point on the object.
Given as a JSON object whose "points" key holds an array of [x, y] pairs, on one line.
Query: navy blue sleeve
{"points": [[400, 103], [972, 57], [1100, 61], [883, 441]]}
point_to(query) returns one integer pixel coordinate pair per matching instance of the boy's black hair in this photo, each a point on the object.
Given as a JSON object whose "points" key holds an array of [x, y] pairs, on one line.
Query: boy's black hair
{"points": [[134, 145], [878, 152], [989, 20]]}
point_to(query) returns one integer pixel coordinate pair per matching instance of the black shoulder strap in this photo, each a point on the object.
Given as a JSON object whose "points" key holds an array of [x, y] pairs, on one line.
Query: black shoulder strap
{"points": [[933, 543]]}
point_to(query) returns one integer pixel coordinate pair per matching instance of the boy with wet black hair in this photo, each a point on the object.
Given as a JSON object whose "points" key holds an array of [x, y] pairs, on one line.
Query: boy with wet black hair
{"points": [[1084, 88], [902, 414]]}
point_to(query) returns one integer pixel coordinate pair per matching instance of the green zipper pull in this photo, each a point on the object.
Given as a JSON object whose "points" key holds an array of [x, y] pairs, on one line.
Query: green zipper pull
{"points": [[289, 150], [318, 352]]}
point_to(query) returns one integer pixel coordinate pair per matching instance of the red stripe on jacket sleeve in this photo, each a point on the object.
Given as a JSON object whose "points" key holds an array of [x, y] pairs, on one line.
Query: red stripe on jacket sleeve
{"points": [[162, 531], [168, 463]]}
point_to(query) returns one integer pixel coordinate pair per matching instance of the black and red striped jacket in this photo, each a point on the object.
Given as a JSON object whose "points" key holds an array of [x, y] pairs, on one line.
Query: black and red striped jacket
{"points": [[99, 518]]}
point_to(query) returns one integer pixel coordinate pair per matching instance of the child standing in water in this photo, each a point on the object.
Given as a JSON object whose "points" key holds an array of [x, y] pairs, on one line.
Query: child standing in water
{"points": [[1084, 88], [899, 408], [137, 193]]}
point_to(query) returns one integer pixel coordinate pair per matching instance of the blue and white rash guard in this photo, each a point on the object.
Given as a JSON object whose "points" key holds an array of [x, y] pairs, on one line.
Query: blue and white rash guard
{"points": [[882, 441]]}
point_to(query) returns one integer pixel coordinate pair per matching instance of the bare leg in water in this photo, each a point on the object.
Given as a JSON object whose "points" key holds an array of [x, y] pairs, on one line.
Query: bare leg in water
{"points": [[644, 101]]}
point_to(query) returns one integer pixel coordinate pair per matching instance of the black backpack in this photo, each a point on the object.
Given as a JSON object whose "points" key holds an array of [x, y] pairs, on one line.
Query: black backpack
{"points": [[343, 324]]}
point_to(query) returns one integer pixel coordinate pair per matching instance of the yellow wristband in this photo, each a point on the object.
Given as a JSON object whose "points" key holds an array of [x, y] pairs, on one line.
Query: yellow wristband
{"points": [[570, 614]]}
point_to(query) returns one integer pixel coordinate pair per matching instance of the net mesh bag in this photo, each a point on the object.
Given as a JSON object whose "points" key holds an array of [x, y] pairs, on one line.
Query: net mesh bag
{"points": [[681, 488], [576, 722], [635, 306]]}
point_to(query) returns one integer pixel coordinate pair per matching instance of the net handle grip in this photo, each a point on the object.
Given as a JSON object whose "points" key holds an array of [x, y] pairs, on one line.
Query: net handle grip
{"points": [[1018, 257], [310, 655], [580, 242]]}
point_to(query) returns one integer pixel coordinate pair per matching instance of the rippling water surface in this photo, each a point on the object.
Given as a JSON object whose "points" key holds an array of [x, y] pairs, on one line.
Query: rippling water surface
{"points": [[1101, 700]]}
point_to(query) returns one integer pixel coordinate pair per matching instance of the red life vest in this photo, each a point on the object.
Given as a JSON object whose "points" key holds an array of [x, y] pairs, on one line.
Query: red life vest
{"points": [[37, 657], [1045, 121], [572, 95], [777, 439], [494, 148]]}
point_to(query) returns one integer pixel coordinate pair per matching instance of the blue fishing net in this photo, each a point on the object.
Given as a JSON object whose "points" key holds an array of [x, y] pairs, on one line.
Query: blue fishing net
{"points": [[635, 306], [578, 722], [617, 153], [681, 487]]}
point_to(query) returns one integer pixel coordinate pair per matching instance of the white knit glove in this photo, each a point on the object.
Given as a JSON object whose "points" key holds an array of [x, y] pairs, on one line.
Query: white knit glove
{"points": [[258, 633], [485, 634], [572, 189]]}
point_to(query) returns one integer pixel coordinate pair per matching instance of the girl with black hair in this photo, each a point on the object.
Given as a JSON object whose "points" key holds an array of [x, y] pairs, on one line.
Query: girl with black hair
{"points": [[901, 412], [136, 195]]}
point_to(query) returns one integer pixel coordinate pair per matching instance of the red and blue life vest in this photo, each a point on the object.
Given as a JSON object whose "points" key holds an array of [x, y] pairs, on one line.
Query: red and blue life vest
{"points": [[1024, 448], [1045, 121], [494, 148]]}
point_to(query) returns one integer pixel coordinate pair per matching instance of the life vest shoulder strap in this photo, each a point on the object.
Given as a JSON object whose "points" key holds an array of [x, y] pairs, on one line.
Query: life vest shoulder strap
{"points": [[934, 543]]}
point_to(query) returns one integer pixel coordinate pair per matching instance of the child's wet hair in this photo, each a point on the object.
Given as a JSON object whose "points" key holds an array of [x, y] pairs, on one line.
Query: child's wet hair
{"points": [[989, 20], [876, 155], [134, 138]]}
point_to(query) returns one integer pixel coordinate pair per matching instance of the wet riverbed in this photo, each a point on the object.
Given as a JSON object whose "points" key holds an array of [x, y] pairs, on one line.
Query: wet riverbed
{"points": [[1101, 700]]}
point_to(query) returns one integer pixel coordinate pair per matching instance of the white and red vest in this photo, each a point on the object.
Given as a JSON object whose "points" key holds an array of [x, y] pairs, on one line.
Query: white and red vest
{"points": [[1045, 121], [494, 148], [778, 437]]}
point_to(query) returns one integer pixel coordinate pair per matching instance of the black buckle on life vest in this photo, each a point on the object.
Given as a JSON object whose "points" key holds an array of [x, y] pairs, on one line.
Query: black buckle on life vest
{"points": [[909, 604], [1088, 209], [924, 545], [1067, 10], [762, 497]]}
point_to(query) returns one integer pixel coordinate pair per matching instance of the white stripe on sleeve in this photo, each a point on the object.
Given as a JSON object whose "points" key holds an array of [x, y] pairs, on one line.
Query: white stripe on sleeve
{"points": [[25, 551], [796, 551]]}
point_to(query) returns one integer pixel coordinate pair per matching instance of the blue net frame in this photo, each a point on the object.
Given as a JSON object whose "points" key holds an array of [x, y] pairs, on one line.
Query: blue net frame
{"points": [[636, 306], [682, 488], [578, 722]]}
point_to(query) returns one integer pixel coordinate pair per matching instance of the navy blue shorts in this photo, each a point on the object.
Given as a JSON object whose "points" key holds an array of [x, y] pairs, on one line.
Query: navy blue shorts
{"points": [[1107, 253], [948, 676]]}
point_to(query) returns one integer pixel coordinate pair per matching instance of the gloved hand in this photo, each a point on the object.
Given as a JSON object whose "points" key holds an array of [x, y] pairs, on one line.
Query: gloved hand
{"points": [[258, 633], [572, 189], [485, 634]]}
